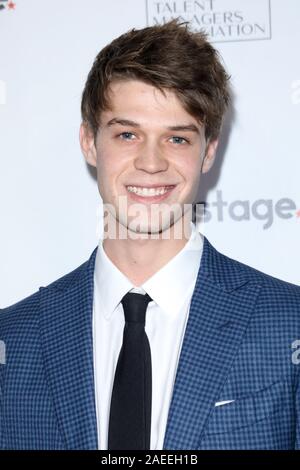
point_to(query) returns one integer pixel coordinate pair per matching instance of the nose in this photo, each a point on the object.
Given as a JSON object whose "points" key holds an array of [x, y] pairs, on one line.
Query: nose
{"points": [[151, 158]]}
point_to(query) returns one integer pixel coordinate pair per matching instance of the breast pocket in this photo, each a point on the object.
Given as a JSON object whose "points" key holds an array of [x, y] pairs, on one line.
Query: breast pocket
{"points": [[245, 411]]}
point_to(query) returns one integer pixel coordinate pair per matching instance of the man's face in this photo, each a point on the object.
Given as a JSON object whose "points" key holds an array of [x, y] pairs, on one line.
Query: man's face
{"points": [[147, 140]]}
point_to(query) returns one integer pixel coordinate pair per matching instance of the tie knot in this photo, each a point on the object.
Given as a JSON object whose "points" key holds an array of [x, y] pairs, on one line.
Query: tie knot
{"points": [[135, 306]]}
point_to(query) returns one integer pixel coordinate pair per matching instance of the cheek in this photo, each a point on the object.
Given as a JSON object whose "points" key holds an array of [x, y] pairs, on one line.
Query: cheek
{"points": [[103, 172], [190, 168], [108, 171], [105, 162]]}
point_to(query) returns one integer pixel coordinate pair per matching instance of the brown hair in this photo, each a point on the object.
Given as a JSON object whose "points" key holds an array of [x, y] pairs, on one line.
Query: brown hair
{"points": [[166, 56]]}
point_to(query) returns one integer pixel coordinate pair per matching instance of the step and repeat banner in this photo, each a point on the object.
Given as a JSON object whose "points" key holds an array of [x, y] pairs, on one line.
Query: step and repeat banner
{"points": [[50, 205]]}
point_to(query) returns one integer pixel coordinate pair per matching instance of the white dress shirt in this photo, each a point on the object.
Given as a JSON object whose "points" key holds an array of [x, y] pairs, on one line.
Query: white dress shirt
{"points": [[171, 289]]}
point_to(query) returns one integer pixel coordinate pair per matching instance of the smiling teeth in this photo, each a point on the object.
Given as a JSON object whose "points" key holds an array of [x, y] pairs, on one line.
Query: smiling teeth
{"points": [[147, 192]]}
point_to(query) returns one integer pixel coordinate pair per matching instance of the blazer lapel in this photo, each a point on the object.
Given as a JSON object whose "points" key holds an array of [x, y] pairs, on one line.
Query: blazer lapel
{"points": [[66, 331], [220, 310]]}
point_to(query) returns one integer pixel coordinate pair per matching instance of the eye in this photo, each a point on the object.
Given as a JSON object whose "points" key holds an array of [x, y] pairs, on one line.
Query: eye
{"points": [[179, 140], [125, 135]]}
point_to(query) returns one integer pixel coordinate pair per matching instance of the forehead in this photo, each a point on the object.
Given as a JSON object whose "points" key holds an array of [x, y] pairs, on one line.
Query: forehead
{"points": [[138, 98]]}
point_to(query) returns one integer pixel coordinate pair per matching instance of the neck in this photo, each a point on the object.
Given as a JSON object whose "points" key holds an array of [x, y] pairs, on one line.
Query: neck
{"points": [[140, 258]]}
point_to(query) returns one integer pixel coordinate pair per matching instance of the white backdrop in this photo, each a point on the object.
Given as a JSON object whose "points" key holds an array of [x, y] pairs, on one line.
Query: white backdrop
{"points": [[49, 199]]}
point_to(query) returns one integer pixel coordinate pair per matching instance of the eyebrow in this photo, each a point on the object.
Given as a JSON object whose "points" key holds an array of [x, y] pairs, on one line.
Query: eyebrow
{"points": [[127, 122]]}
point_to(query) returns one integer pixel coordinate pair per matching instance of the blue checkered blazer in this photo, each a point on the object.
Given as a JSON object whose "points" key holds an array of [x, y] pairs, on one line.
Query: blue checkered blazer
{"points": [[239, 346]]}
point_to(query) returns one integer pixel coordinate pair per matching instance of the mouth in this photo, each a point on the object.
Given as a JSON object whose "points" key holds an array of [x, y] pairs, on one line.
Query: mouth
{"points": [[149, 193]]}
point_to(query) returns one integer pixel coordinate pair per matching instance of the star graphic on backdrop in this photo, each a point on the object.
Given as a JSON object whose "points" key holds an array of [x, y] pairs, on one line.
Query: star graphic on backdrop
{"points": [[298, 213], [11, 5]]}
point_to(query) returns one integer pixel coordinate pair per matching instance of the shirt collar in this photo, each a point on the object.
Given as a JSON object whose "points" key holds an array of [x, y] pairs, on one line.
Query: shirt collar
{"points": [[169, 287]]}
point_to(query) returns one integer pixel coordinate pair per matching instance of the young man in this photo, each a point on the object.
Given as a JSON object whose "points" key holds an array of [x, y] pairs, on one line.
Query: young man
{"points": [[158, 341]]}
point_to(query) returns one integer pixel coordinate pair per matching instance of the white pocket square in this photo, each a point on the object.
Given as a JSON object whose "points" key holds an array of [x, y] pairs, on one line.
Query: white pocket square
{"points": [[225, 402]]}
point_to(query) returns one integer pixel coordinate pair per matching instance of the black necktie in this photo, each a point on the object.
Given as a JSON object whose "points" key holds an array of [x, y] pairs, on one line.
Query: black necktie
{"points": [[130, 408]]}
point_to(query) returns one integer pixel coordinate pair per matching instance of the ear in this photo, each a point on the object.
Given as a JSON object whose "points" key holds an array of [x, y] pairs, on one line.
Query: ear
{"points": [[87, 144], [209, 156]]}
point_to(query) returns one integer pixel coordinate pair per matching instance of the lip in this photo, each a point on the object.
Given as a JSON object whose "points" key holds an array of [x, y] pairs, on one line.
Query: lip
{"points": [[150, 199], [150, 185]]}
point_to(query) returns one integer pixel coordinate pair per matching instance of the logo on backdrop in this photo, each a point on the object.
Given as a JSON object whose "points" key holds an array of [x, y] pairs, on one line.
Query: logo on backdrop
{"points": [[265, 210], [223, 20], [7, 5]]}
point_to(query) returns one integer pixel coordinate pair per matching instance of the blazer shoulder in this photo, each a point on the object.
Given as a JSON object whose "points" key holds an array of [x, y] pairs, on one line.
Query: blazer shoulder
{"points": [[20, 310], [268, 280], [285, 295], [27, 308], [221, 266], [278, 302], [76, 275]]}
